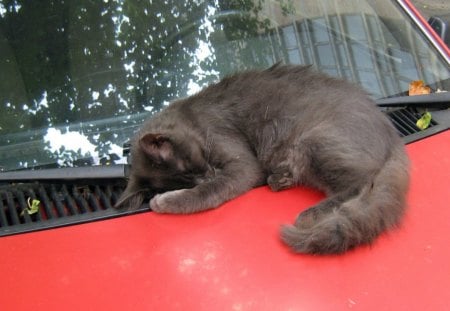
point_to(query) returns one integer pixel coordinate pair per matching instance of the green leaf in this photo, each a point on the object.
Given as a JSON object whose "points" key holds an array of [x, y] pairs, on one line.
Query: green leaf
{"points": [[32, 208], [424, 122]]}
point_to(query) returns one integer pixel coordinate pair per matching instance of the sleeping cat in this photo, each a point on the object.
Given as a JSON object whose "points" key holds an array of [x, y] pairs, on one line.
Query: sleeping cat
{"points": [[284, 126]]}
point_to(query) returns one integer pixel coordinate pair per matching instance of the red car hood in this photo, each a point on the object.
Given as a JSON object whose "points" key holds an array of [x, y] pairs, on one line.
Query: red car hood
{"points": [[232, 258]]}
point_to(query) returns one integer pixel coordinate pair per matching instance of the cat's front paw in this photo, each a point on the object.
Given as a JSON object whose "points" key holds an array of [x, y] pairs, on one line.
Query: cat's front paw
{"points": [[172, 202], [280, 181]]}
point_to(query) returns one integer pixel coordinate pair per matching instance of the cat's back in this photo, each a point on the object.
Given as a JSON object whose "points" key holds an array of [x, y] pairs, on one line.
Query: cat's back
{"points": [[283, 96], [291, 91], [287, 98], [283, 87]]}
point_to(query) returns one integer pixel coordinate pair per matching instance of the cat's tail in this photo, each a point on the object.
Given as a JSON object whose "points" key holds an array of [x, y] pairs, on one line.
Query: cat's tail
{"points": [[355, 217]]}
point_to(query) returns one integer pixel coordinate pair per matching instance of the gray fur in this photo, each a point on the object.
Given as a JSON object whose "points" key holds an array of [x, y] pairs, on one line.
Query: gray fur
{"points": [[284, 126]]}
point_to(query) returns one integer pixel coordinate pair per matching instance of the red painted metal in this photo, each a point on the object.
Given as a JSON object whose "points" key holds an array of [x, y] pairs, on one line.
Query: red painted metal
{"points": [[412, 10], [231, 258]]}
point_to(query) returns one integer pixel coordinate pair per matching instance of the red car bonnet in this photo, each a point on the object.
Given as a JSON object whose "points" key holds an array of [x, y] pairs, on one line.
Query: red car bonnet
{"points": [[231, 258]]}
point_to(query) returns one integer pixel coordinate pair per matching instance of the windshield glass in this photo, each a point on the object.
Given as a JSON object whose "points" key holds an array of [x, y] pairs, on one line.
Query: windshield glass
{"points": [[77, 78]]}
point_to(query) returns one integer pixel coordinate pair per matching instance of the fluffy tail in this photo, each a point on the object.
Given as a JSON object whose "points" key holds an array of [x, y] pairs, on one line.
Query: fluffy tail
{"points": [[358, 216]]}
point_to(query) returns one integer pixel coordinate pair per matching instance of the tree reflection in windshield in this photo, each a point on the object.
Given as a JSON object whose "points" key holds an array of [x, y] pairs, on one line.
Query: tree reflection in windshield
{"points": [[76, 61], [91, 59], [91, 71]]}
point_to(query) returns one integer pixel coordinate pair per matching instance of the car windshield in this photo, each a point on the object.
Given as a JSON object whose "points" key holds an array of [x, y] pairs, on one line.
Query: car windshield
{"points": [[77, 78]]}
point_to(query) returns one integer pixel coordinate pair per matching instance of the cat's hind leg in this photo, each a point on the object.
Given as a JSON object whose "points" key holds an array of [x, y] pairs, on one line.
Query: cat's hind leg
{"points": [[314, 214], [289, 166], [280, 180]]}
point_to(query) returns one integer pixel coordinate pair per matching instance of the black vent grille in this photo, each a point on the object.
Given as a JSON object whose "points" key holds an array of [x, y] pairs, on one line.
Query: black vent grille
{"points": [[405, 121], [60, 205]]}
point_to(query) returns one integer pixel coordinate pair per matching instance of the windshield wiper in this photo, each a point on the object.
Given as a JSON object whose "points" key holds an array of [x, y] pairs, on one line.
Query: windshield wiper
{"points": [[435, 100]]}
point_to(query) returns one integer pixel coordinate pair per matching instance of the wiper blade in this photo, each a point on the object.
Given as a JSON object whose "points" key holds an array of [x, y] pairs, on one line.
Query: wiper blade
{"points": [[67, 173], [435, 100]]}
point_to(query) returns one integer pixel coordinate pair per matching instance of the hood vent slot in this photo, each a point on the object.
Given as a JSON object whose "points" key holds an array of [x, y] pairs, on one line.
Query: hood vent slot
{"points": [[405, 120], [60, 205]]}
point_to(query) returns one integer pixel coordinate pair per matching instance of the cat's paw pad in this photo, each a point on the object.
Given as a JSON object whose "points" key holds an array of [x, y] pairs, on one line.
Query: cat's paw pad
{"points": [[171, 202], [280, 181]]}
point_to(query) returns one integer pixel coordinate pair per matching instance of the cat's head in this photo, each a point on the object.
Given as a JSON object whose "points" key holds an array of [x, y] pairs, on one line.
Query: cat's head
{"points": [[164, 162]]}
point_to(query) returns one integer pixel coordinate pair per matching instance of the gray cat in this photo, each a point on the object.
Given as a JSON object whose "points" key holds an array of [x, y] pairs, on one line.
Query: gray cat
{"points": [[284, 126]]}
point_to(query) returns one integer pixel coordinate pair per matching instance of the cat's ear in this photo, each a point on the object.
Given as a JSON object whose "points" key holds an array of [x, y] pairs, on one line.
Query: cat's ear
{"points": [[157, 146]]}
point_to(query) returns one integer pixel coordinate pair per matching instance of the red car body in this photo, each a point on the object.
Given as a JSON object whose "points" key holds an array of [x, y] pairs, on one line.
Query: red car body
{"points": [[232, 258]]}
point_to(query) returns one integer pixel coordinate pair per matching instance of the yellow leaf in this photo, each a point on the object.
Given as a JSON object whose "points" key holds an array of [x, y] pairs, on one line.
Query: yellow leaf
{"points": [[424, 121], [33, 207]]}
